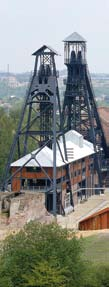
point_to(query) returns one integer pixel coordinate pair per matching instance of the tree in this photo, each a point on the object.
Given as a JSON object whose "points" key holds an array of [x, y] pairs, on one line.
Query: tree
{"points": [[8, 127], [42, 254], [45, 274], [6, 137]]}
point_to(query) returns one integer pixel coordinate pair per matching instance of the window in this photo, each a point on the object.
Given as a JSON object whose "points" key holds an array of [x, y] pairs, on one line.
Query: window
{"points": [[67, 200], [91, 167], [33, 169], [84, 171], [79, 172], [64, 178]]}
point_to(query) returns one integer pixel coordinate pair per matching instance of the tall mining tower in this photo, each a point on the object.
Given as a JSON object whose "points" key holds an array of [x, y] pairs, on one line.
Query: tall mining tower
{"points": [[40, 120], [79, 106], [38, 124]]}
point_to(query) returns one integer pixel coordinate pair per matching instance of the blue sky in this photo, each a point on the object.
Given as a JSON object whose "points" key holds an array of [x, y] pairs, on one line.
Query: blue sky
{"points": [[25, 25]]}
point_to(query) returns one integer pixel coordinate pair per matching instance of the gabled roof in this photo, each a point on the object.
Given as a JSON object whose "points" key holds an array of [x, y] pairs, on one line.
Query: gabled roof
{"points": [[44, 157], [74, 141], [74, 37], [43, 48]]}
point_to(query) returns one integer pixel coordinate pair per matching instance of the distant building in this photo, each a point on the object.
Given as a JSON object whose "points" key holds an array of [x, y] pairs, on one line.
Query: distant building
{"points": [[14, 83]]}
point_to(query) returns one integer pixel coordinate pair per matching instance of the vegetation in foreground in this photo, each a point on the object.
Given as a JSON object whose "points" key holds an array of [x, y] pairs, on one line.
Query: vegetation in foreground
{"points": [[44, 256]]}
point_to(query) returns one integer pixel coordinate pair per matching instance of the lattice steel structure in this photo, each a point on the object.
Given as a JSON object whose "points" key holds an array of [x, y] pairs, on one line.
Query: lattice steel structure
{"points": [[36, 122], [40, 123], [79, 107]]}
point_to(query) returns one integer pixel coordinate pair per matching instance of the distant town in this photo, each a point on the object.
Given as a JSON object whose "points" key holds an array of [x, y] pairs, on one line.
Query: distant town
{"points": [[13, 88]]}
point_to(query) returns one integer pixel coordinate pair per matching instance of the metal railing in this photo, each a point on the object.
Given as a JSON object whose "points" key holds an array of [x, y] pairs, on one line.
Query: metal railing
{"points": [[36, 188], [41, 188]]}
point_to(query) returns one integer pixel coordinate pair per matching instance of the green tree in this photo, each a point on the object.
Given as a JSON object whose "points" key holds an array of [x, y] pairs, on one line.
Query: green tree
{"points": [[6, 137], [8, 127], [46, 274], [42, 252], [5, 282]]}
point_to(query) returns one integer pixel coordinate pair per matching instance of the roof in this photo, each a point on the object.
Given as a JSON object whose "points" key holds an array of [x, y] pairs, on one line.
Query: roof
{"points": [[74, 37], [43, 48], [76, 146], [44, 157], [79, 147], [105, 210]]}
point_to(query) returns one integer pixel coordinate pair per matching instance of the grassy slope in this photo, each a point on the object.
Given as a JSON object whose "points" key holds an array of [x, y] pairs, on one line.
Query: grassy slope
{"points": [[96, 248]]}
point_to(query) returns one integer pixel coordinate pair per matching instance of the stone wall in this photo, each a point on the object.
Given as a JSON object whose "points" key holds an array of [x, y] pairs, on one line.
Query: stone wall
{"points": [[27, 207]]}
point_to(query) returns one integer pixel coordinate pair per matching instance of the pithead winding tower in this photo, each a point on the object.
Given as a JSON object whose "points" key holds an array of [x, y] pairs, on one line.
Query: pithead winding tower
{"points": [[79, 107], [38, 117], [40, 121]]}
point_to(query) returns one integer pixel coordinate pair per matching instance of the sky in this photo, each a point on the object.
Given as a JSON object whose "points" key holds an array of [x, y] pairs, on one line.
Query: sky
{"points": [[25, 25]]}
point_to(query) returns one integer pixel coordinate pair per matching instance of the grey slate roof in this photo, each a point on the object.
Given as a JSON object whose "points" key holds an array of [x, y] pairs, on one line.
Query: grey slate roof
{"points": [[43, 48], [74, 37]]}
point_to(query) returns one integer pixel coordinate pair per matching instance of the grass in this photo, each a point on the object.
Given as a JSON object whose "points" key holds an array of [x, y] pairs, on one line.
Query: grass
{"points": [[96, 248]]}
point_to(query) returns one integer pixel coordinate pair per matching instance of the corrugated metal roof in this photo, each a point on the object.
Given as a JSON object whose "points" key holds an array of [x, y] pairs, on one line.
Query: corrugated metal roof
{"points": [[43, 48], [74, 141], [74, 37]]}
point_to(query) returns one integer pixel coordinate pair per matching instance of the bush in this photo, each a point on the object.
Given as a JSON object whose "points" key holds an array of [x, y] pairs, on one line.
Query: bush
{"points": [[41, 255]]}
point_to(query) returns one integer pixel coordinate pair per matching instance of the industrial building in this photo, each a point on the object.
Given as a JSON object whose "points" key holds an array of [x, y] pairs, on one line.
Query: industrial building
{"points": [[58, 149], [29, 172]]}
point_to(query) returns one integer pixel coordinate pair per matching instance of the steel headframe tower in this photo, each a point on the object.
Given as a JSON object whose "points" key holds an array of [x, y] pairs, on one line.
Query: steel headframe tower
{"points": [[38, 124], [79, 107]]}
